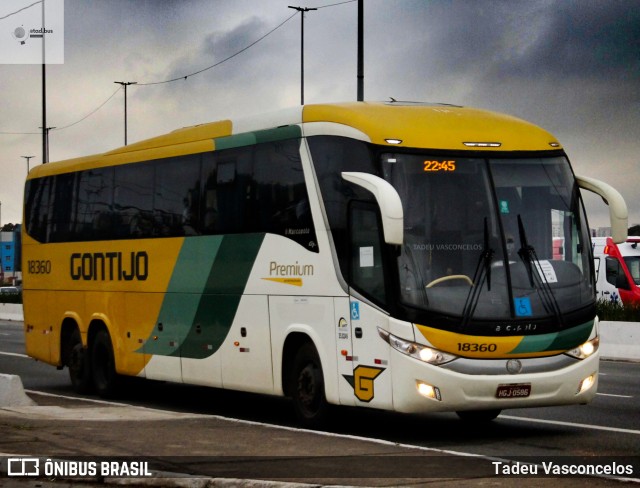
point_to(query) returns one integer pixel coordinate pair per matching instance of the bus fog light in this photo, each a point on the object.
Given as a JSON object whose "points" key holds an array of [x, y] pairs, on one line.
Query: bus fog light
{"points": [[428, 391], [587, 383]]}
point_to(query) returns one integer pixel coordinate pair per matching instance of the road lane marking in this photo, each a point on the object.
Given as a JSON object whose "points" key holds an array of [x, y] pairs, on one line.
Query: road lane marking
{"points": [[612, 395], [572, 424], [14, 354]]}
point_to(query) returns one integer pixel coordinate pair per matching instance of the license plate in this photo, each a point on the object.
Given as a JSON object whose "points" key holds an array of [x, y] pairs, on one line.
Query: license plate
{"points": [[521, 390]]}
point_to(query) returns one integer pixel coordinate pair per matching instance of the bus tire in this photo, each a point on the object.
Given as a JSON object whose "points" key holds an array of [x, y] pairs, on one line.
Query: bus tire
{"points": [[307, 387], [478, 415], [79, 365], [103, 365]]}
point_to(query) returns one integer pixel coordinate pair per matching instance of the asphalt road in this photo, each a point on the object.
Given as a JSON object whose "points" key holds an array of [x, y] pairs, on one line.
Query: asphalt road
{"points": [[609, 426]]}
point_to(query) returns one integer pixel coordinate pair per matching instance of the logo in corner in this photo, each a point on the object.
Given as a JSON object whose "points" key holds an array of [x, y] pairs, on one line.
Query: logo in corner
{"points": [[362, 381]]}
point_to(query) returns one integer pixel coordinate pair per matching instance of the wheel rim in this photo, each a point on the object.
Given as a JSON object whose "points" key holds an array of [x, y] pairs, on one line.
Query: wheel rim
{"points": [[308, 388], [77, 363]]}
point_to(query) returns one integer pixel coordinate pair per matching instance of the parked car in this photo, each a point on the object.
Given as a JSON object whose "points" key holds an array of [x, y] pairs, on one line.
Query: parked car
{"points": [[9, 290]]}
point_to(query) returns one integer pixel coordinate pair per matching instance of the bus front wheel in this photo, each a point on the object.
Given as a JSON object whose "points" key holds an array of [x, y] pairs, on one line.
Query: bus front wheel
{"points": [[79, 366], [103, 365], [307, 387]]}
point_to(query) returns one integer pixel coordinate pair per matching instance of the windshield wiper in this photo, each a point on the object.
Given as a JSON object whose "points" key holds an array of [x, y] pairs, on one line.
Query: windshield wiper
{"points": [[482, 273], [529, 258]]}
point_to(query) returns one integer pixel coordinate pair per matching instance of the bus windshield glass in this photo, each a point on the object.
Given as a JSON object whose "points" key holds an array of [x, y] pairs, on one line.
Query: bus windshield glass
{"points": [[491, 239]]}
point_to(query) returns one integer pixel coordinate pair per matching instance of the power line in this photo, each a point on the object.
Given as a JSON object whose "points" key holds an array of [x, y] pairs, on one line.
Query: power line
{"points": [[165, 81], [222, 61], [335, 4], [92, 112], [18, 11], [70, 125]]}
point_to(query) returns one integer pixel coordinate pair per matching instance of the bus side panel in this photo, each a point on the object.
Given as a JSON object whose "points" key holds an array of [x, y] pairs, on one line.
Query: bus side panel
{"points": [[370, 379], [314, 318], [344, 349], [38, 325], [132, 322], [246, 352]]}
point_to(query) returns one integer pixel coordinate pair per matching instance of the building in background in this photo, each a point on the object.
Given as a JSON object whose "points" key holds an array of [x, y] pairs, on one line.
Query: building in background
{"points": [[10, 257]]}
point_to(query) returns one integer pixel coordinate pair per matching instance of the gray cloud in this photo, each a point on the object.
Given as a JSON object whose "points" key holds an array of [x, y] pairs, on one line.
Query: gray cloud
{"points": [[571, 66]]}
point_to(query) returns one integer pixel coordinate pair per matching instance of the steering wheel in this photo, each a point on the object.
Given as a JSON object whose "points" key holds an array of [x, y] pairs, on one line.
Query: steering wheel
{"points": [[442, 279]]}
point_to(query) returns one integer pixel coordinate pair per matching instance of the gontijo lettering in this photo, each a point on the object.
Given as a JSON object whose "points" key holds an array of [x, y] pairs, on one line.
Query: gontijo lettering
{"points": [[109, 266]]}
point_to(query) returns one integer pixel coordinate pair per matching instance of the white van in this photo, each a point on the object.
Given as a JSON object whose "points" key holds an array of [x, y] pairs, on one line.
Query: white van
{"points": [[617, 269]]}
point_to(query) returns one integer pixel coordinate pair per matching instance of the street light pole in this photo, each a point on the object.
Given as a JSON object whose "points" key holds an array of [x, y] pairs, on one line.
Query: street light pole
{"points": [[27, 158], [125, 84], [45, 148], [360, 50], [302, 10]]}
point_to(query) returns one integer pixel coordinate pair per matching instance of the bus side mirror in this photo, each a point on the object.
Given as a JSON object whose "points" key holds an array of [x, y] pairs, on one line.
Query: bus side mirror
{"points": [[388, 200], [618, 214]]}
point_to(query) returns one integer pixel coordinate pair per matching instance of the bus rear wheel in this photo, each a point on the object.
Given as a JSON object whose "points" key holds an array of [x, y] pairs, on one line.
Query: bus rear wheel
{"points": [[307, 387], [79, 366], [103, 365]]}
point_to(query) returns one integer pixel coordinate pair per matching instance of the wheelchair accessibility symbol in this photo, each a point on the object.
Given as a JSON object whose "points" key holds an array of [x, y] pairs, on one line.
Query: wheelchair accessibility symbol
{"points": [[355, 311], [523, 307]]}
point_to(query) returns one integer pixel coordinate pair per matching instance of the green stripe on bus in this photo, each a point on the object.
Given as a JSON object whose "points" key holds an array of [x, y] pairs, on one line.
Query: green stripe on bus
{"points": [[258, 137], [568, 339], [555, 341], [221, 296], [180, 304], [201, 302]]}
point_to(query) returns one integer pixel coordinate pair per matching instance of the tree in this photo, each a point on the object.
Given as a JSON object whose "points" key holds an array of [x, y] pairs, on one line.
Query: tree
{"points": [[8, 227]]}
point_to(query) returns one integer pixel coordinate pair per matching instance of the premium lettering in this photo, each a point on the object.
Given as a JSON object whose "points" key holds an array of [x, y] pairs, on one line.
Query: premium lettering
{"points": [[109, 266], [276, 269]]}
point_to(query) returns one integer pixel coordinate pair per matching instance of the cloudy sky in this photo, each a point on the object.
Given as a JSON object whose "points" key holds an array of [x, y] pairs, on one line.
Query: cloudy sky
{"points": [[570, 66]]}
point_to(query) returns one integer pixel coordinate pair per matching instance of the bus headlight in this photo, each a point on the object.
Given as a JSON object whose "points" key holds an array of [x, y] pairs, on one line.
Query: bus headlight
{"points": [[585, 350], [415, 350]]}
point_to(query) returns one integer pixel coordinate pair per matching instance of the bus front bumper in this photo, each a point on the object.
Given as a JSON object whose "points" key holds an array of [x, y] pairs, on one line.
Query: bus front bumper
{"points": [[421, 388]]}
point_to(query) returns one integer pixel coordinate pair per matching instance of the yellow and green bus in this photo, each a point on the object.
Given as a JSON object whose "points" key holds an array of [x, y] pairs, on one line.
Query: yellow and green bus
{"points": [[401, 256]]}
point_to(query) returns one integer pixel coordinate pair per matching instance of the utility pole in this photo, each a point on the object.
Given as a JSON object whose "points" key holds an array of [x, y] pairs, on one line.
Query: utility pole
{"points": [[302, 10], [125, 84], [45, 133], [27, 158], [360, 50], [45, 143]]}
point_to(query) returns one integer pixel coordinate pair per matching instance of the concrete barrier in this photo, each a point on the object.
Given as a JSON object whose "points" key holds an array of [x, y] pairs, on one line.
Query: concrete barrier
{"points": [[11, 311], [620, 340], [12, 393]]}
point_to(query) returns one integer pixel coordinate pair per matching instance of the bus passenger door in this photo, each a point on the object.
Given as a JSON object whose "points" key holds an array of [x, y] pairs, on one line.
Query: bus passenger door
{"points": [[370, 378]]}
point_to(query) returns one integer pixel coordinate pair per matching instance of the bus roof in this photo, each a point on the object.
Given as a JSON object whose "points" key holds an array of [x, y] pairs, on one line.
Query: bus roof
{"points": [[419, 125]]}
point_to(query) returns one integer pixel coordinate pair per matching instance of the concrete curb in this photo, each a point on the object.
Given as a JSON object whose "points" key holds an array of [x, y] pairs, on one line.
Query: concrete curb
{"points": [[11, 311], [12, 393], [620, 341]]}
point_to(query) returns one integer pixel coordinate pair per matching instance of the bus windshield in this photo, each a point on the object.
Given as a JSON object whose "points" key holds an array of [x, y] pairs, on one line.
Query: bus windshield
{"points": [[491, 239]]}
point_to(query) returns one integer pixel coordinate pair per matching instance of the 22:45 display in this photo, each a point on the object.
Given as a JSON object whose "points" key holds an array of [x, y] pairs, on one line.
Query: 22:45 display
{"points": [[433, 166]]}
